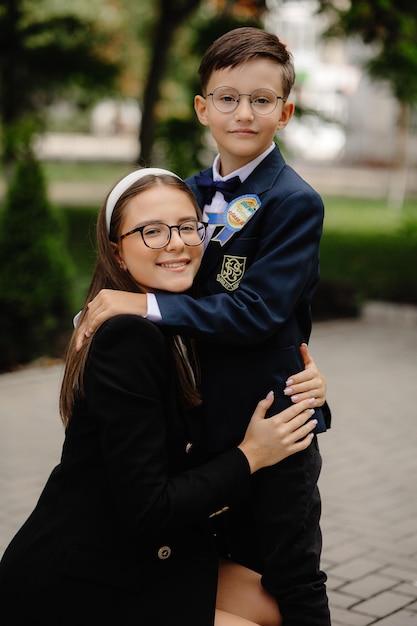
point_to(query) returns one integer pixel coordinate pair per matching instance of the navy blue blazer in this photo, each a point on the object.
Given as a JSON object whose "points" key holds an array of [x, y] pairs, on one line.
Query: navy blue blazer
{"points": [[255, 305], [120, 534]]}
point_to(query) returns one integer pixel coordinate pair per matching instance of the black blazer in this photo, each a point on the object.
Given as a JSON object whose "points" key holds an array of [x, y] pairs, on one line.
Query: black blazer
{"points": [[120, 533], [255, 304]]}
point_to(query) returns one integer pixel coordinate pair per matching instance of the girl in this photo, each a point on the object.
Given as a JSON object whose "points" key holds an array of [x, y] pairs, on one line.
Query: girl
{"points": [[121, 532]]}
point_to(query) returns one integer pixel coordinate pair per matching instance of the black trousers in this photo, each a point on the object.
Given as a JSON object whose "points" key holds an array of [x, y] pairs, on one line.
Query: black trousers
{"points": [[277, 533]]}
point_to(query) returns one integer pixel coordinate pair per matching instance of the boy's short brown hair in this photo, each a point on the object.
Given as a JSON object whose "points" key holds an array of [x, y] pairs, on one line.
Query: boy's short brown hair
{"points": [[245, 44]]}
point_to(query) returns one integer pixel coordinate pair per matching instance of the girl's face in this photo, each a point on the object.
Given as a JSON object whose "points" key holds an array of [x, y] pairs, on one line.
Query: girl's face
{"points": [[173, 267]]}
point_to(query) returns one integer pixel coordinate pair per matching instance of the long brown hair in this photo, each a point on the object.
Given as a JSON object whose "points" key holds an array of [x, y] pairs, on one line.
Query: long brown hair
{"points": [[108, 274]]}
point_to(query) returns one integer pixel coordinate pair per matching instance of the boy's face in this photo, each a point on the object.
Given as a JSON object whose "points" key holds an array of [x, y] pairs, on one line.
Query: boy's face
{"points": [[243, 134]]}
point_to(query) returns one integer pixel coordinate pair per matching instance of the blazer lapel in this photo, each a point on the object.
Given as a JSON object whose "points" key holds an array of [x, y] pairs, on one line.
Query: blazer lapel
{"points": [[258, 183]]}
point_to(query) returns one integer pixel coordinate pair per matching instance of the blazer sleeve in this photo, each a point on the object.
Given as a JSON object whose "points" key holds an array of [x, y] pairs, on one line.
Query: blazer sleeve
{"points": [[126, 382], [284, 272]]}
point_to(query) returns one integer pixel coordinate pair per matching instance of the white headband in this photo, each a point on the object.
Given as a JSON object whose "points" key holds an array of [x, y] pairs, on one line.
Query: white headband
{"points": [[126, 182]]}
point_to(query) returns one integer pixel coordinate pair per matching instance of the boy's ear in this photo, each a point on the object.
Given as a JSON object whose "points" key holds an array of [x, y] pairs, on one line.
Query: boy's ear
{"points": [[287, 113], [200, 107]]}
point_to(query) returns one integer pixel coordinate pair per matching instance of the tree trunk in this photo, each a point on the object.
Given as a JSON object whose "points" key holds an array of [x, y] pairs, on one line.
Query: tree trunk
{"points": [[171, 14], [398, 179]]}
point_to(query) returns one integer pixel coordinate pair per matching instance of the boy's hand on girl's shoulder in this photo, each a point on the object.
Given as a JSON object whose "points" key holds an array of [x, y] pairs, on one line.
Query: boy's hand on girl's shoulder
{"points": [[80, 334], [309, 383], [109, 303]]}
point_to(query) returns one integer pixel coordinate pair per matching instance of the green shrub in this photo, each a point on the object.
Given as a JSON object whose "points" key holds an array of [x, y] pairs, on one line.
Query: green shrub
{"points": [[360, 266], [81, 232], [35, 271]]}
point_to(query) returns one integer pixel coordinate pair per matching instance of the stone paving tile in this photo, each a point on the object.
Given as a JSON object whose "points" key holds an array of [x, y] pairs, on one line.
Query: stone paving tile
{"points": [[334, 582], [383, 604], [368, 585], [369, 504], [344, 600], [406, 571], [341, 617], [401, 618], [356, 568], [344, 551], [407, 589]]}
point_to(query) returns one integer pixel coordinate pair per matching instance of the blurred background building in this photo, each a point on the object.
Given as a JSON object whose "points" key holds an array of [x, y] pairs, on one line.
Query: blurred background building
{"points": [[352, 118]]}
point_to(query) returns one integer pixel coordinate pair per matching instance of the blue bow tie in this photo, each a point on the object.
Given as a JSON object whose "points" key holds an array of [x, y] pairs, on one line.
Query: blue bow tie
{"points": [[208, 187]]}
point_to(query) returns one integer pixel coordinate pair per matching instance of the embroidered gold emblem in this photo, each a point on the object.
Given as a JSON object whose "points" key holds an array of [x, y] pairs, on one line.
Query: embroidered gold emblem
{"points": [[233, 268]]}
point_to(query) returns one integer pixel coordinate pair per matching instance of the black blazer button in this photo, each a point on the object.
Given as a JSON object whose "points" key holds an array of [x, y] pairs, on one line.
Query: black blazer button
{"points": [[164, 552]]}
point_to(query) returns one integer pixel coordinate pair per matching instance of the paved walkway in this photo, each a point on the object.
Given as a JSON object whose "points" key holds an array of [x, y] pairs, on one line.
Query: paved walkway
{"points": [[369, 478]]}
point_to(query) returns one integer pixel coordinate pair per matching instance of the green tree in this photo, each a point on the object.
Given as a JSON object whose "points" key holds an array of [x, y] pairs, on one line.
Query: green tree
{"points": [[170, 15], [46, 48], [36, 272], [390, 26], [180, 32]]}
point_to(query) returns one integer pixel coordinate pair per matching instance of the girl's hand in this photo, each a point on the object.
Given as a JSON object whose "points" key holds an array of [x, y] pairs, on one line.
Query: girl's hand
{"points": [[268, 441]]}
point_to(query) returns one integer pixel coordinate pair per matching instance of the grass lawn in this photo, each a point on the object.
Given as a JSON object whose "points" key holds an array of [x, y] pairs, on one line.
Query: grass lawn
{"points": [[363, 215], [85, 172]]}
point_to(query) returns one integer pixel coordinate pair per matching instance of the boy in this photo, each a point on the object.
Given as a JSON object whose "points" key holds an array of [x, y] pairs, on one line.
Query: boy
{"points": [[257, 280]]}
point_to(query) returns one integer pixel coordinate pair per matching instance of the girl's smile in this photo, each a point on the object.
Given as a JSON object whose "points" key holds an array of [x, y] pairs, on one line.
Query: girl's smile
{"points": [[173, 267]]}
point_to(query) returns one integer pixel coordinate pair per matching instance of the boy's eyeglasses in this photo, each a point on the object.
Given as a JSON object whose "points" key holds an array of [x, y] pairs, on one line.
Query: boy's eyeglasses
{"points": [[262, 101], [158, 235]]}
